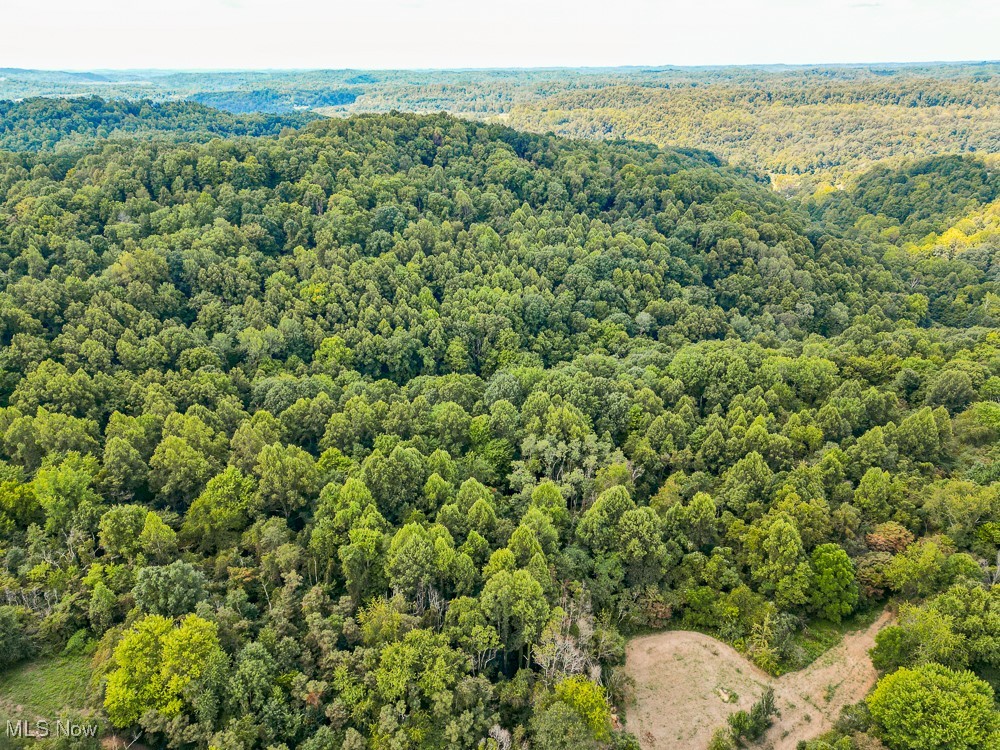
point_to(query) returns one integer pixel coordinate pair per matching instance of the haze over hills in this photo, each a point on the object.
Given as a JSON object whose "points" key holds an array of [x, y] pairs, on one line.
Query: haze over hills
{"points": [[387, 430], [805, 126]]}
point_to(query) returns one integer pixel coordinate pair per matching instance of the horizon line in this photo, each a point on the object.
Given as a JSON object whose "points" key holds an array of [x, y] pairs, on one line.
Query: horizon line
{"points": [[665, 67]]}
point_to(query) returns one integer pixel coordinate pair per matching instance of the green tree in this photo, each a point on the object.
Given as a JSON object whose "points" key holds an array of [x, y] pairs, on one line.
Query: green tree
{"points": [[157, 667], [515, 604], [169, 590], [834, 591], [421, 670], [287, 479], [560, 727], [777, 560], [934, 708], [15, 644], [589, 701], [920, 569], [178, 471], [120, 530], [951, 389], [101, 610], [65, 491], [157, 540], [411, 562], [222, 511]]}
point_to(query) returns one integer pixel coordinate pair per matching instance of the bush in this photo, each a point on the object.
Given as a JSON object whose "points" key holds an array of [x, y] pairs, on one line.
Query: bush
{"points": [[15, 645], [935, 708]]}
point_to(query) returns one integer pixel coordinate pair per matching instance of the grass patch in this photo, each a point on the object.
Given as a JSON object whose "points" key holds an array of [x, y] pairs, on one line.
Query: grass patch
{"points": [[819, 636], [45, 688]]}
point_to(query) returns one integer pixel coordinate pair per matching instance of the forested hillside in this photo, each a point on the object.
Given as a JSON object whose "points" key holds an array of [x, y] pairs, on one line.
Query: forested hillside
{"points": [[822, 128], [271, 100], [805, 127], [387, 432], [942, 204], [36, 124]]}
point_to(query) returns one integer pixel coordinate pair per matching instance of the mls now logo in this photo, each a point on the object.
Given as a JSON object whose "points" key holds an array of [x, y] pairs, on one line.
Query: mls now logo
{"points": [[42, 729]]}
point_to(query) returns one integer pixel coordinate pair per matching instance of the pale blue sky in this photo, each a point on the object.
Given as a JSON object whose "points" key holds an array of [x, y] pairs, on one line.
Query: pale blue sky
{"points": [[87, 34]]}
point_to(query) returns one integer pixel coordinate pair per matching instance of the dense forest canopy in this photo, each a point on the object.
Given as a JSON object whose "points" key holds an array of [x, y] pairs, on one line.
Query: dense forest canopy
{"points": [[44, 123], [386, 432]]}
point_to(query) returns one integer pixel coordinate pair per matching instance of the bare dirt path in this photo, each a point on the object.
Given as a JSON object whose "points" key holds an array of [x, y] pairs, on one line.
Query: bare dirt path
{"points": [[688, 683]]}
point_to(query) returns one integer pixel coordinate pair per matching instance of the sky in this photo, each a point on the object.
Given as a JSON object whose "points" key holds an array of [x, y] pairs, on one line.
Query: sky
{"points": [[202, 34]]}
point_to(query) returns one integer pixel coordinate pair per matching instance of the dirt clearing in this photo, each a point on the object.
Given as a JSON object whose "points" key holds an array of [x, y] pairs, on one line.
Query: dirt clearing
{"points": [[688, 683]]}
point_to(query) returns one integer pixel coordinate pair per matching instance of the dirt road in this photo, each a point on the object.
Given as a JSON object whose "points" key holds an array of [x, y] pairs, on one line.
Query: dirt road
{"points": [[688, 683]]}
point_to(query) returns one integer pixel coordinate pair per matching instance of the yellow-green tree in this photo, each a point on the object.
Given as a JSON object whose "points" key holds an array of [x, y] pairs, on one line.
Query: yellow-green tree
{"points": [[156, 665]]}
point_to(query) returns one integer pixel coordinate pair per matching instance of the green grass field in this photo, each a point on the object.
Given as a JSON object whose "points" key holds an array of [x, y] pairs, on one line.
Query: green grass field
{"points": [[45, 688]]}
